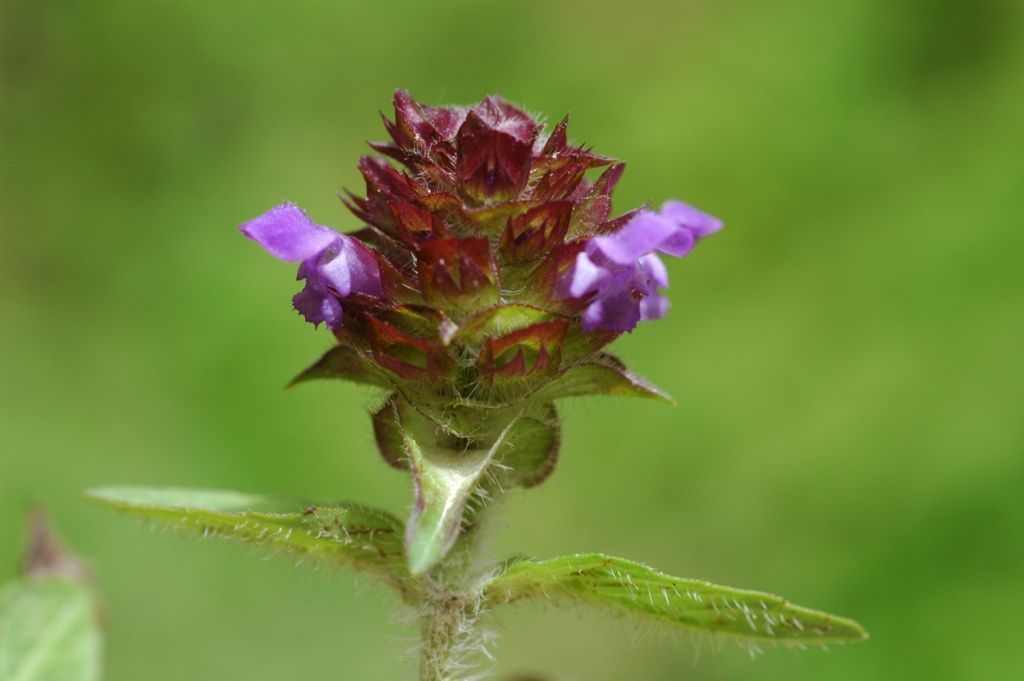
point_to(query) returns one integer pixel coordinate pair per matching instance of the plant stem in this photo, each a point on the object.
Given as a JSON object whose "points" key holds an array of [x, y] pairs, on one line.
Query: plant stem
{"points": [[451, 608], [447, 632]]}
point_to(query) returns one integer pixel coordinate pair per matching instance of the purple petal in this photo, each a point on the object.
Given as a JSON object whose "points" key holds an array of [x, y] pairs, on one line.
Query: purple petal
{"points": [[654, 306], [348, 268], [643, 234], [318, 306], [614, 310], [654, 271], [333, 265], [622, 271], [585, 277], [684, 215], [679, 244], [288, 234]]}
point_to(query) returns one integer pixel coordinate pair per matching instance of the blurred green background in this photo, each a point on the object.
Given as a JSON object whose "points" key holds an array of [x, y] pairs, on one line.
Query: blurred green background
{"points": [[847, 354]]}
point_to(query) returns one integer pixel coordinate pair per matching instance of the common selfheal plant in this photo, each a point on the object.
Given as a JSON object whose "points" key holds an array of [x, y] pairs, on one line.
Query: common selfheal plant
{"points": [[488, 277]]}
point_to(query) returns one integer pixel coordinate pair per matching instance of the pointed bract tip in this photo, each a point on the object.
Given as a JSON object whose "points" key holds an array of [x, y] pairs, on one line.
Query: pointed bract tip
{"points": [[46, 554]]}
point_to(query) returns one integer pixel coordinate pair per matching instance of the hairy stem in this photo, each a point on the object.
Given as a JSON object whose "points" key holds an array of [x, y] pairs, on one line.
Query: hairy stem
{"points": [[448, 640], [452, 640]]}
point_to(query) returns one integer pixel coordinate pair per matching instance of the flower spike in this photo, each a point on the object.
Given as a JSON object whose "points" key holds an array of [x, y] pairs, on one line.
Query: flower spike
{"points": [[487, 276]]}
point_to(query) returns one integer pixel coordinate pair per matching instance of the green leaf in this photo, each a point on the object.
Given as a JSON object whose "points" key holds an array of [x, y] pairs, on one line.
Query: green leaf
{"points": [[448, 466], [48, 631], [445, 478], [693, 604], [603, 375], [365, 538], [345, 363]]}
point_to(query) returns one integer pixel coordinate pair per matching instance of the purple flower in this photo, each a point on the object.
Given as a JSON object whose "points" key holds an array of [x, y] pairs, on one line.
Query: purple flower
{"points": [[333, 265], [622, 274]]}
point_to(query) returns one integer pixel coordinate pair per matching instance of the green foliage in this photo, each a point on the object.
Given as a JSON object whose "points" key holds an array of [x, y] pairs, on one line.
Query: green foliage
{"points": [[445, 480], [690, 603], [49, 631], [458, 454], [49, 628], [348, 534]]}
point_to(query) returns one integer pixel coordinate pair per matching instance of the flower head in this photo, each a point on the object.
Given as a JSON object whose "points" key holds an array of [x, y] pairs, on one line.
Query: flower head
{"points": [[488, 212], [489, 273]]}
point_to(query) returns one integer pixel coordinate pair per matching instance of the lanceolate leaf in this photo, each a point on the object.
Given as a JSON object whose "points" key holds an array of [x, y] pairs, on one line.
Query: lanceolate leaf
{"points": [[48, 631], [445, 478], [693, 604], [603, 375], [349, 534]]}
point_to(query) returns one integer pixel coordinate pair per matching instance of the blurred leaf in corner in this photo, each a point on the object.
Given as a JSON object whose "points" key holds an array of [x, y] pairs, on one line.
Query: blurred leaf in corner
{"points": [[49, 623]]}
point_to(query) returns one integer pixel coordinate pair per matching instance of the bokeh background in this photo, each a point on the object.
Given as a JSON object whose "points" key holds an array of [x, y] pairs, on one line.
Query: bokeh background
{"points": [[847, 354]]}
